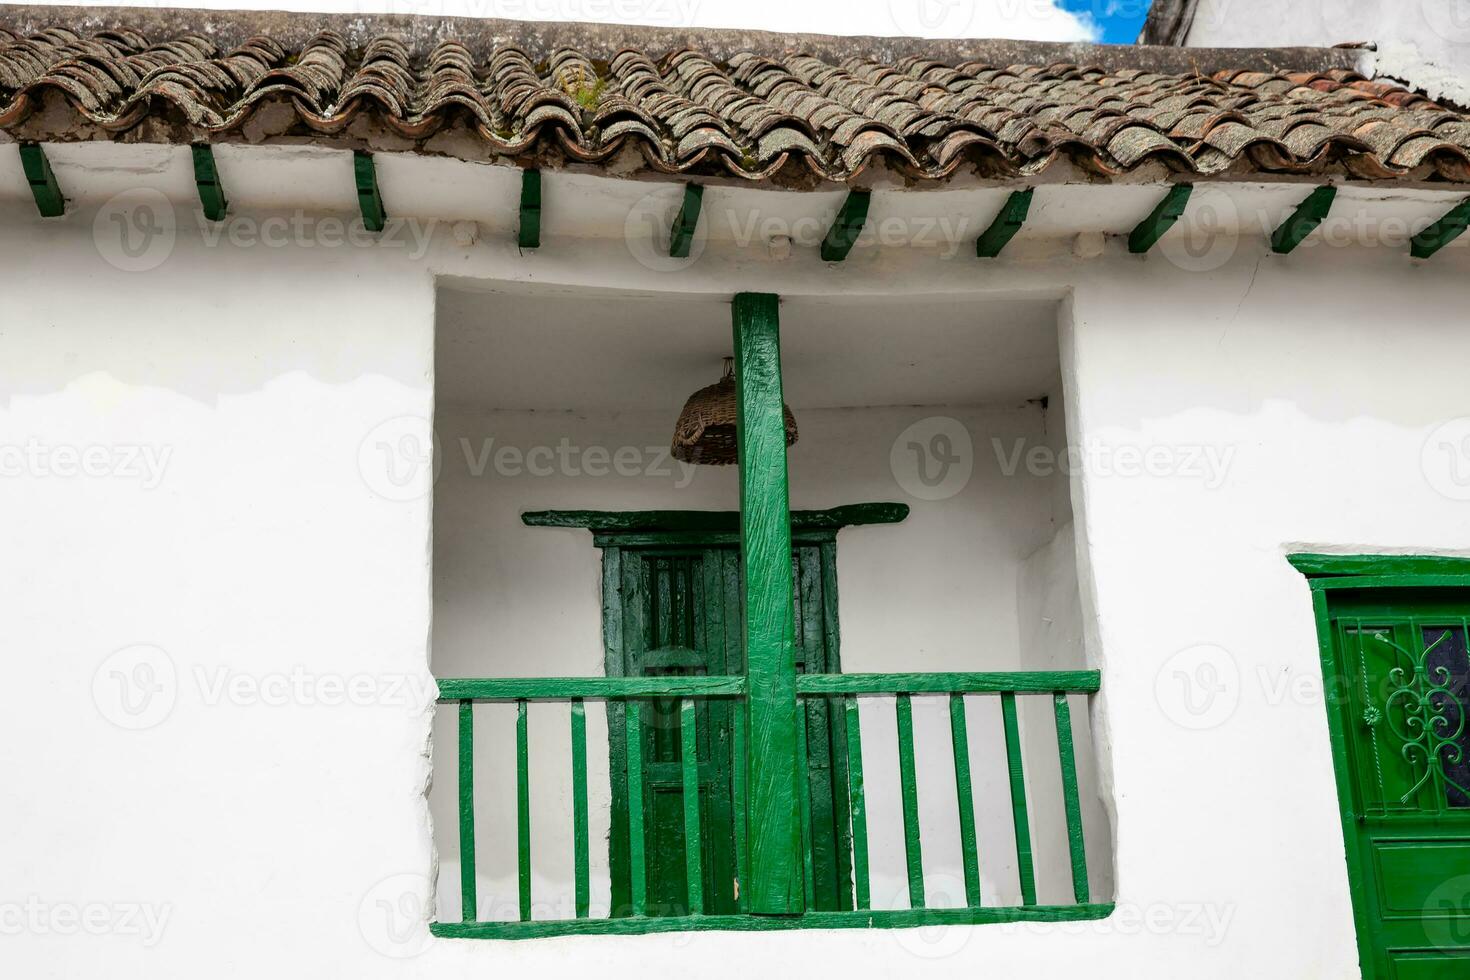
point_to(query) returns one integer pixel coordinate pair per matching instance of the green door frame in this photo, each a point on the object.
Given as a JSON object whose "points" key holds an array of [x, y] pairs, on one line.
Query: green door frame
{"points": [[1326, 573]]}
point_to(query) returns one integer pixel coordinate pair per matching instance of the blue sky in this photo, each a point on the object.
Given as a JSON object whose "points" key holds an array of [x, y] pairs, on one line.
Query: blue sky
{"points": [[1116, 21], [1120, 20]]}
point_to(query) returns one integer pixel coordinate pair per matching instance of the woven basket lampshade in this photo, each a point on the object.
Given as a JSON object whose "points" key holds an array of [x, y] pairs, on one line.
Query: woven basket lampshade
{"points": [[706, 430]]}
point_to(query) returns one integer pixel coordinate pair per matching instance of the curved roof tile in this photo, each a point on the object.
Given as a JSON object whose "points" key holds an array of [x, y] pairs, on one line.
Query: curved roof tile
{"points": [[754, 115]]}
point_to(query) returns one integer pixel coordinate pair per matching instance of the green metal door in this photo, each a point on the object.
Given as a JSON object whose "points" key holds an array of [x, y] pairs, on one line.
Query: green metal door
{"points": [[675, 609], [1399, 680]]}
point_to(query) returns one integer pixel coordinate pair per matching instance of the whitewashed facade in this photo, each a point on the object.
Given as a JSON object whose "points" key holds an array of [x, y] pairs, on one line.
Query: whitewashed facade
{"points": [[255, 502]]}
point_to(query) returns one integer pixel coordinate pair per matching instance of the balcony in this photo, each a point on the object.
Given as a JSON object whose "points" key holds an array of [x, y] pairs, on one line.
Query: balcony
{"points": [[644, 712], [674, 722]]}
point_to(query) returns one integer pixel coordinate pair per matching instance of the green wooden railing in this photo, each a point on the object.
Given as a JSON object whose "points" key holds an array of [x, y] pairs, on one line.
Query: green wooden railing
{"points": [[633, 693]]}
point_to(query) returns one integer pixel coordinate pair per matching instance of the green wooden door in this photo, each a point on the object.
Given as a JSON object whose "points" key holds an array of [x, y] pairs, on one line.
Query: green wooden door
{"points": [[1400, 686], [675, 609]]}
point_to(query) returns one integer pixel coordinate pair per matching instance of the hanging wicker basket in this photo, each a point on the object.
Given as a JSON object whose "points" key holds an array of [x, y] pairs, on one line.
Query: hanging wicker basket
{"points": [[705, 433]]}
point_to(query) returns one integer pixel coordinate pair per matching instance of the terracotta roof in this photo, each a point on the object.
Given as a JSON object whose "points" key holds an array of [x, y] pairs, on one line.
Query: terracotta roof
{"points": [[798, 116]]}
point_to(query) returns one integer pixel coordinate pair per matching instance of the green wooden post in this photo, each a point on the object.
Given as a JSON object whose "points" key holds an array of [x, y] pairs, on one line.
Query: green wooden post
{"points": [[1022, 820], [637, 868], [689, 761], [774, 856], [523, 810], [909, 788], [858, 806], [959, 733], [469, 909], [1071, 799], [580, 842]]}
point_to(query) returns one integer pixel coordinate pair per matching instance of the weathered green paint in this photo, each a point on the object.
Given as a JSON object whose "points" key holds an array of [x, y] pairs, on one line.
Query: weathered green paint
{"points": [[1407, 838], [1025, 682], [1307, 216], [1338, 571], [959, 735], [468, 900], [42, 181], [1021, 819], [834, 712], [1009, 221], [637, 864], [737, 803], [689, 759], [682, 233], [845, 227], [1071, 799], [206, 179], [859, 806], [858, 919], [1449, 227], [566, 688], [617, 730], [677, 616], [705, 522], [523, 810], [1160, 219], [775, 886], [909, 787], [529, 233], [804, 796], [581, 846], [369, 199]]}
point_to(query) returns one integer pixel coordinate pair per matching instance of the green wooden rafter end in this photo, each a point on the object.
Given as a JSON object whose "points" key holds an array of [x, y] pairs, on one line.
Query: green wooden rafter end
{"points": [[682, 234], [369, 199], [43, 182], [847, 226], [1009, 221], [529, 233], [206, 178], [1442, 232], [1160, 219], [1307, 216]]}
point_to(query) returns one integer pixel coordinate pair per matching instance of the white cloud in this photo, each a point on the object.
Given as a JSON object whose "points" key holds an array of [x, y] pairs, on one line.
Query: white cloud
{"points": [[1040, 20]]}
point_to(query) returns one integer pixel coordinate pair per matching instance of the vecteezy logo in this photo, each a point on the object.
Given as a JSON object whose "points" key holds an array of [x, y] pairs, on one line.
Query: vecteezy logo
{"points": [[136, 687], [1450, 19], [1207, 235], [933, 458], [1447, 914], [394, 915], [648, 230], [135, 230], [932, 18], [399, 459], [1199, 687], [1445, 459], [934, 942]]}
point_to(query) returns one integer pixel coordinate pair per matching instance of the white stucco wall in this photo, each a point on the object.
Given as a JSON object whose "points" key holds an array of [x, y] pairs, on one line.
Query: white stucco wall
{"points": [[1425, 43], [261, 829]]}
